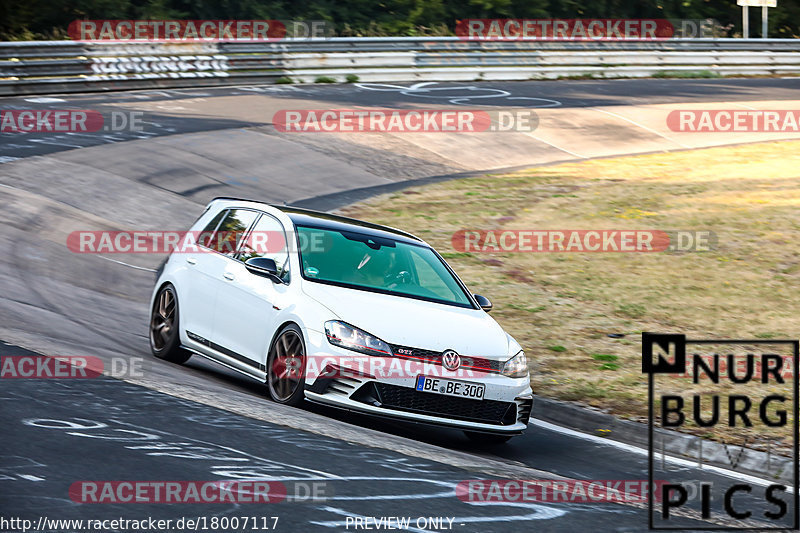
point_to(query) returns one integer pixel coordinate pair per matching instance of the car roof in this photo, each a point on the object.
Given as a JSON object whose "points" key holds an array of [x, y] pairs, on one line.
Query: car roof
{"points": [[319, 219]]}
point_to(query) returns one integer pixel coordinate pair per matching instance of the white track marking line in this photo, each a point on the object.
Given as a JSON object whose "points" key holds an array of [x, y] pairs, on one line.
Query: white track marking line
{"points": [[126, 264], [555, 146], [264, 460], [555, 103], [641, 451], [422, 90], [541, 512], [44, 100], [651, 130]]}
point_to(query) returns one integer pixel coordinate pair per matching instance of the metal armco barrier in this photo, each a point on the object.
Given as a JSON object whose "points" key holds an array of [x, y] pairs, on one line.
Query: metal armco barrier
{"points": [[64, 66]]}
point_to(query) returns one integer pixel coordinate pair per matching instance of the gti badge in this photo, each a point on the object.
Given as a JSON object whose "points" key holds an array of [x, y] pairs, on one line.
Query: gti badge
{"points": [[451, 360]]}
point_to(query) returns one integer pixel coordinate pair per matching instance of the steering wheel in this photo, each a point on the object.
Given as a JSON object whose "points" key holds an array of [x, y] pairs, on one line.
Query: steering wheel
{"points": [[401, 278]]}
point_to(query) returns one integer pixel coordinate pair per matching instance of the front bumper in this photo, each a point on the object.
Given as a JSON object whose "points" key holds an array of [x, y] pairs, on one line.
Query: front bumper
{"points": [[513, 420], [505, 409]]}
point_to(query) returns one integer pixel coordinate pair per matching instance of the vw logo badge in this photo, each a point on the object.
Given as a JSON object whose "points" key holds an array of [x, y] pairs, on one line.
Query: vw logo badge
{"points": [[451, 360]]}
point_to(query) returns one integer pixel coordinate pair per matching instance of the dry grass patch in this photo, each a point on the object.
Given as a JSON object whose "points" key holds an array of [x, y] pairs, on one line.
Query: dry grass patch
{"points": [[562, 306]]}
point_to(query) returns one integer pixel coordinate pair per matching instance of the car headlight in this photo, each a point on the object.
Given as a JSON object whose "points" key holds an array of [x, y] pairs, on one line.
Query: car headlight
{"points": [[516, 367], [346, 336]]}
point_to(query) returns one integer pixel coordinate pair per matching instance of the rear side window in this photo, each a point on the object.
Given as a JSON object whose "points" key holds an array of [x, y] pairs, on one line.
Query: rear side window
{"points": [[229, 232], [204, 238]]}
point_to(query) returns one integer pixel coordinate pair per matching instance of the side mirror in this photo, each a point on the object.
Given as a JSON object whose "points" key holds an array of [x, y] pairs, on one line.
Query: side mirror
{"points": [[484, 302], [264, 267]]}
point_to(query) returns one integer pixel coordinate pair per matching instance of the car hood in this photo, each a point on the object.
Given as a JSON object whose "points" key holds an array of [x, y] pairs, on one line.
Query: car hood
{"points": [[416, 323]]}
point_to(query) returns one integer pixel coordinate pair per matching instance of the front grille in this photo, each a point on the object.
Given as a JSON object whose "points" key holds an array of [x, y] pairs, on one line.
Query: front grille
{"points": [[411, 400], [431, 356]]}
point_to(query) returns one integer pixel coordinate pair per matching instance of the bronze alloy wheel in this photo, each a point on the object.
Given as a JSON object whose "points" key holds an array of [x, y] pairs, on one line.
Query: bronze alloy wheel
{"points": [[162, 323], [164, 338], [286, 367]]}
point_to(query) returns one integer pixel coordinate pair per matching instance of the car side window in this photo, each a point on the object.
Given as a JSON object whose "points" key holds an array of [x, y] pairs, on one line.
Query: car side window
{"points": [[231, 231], [205, 236], [267, 239]]}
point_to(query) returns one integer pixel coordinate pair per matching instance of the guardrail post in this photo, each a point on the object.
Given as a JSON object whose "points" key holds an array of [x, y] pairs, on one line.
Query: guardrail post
{"points": [[745, 22]]}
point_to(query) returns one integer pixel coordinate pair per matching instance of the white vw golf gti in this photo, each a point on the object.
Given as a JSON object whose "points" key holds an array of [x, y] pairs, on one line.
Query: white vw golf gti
{"points": [[340, 312]]}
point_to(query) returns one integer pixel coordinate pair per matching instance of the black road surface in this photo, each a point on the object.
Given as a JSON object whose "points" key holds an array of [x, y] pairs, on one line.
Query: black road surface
{"points": [[61, 431], [528, 94]]}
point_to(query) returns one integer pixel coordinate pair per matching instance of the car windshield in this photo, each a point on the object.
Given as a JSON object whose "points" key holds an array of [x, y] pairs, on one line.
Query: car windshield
{"points": [[378, 264]]}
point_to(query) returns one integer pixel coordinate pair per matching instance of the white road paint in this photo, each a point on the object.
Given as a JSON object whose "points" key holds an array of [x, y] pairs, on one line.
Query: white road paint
{"points": [[78, 139], [468, 93], [540, 512], [126, 264], [643, 452], [442, 488], [579, 156], [651, 130], [282, 88], [44, 100], [261, 460]]}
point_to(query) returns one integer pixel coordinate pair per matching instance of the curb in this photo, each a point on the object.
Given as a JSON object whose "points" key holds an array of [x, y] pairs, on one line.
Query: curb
{"points": [[684, 446]]}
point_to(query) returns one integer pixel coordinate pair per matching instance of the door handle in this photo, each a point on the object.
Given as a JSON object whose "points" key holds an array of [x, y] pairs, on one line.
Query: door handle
{"points": [[228, 276], [191, 260]]}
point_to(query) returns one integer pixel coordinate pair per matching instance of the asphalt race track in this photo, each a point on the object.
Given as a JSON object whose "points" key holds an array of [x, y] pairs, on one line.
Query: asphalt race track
{"points": [[144, 434], [203, 422], [129, 433], [547, 94]]}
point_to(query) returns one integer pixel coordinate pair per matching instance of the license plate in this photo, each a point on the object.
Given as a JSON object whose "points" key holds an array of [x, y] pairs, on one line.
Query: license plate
{"points": [[451, 387]]}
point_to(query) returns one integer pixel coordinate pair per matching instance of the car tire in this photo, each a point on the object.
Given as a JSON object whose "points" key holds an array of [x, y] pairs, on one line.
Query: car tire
{"points": [[286, 365], [165, 338], [487, 439]]}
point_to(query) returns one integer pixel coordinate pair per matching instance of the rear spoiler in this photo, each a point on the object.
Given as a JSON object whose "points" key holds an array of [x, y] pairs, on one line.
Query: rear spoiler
{"points": [[221, 198]]}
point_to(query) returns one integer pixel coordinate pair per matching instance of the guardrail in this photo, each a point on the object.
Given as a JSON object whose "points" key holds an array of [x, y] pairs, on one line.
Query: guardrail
{"points": [[63, 66]]}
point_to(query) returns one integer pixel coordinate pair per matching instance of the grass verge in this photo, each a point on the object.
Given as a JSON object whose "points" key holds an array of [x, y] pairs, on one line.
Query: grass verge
{"points": [[562, 306]]}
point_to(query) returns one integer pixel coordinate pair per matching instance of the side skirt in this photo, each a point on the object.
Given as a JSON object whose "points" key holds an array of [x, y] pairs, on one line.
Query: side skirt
{"points": [[228, 358]]}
